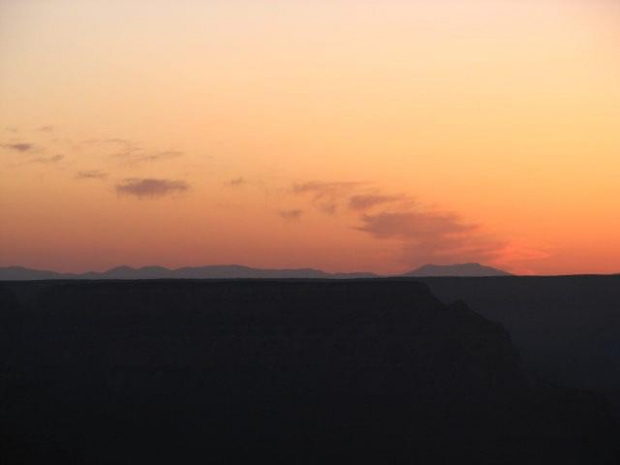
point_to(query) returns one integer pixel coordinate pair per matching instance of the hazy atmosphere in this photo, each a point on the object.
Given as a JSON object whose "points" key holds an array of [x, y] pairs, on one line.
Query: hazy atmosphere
{"points": [[341, 135]]}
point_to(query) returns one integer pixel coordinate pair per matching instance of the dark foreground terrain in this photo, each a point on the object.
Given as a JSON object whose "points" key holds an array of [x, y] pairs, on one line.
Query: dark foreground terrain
{"points": [[567, 328], [289, 371]]}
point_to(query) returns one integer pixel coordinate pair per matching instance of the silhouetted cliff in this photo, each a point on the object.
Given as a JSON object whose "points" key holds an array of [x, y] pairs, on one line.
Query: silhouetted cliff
{"points": [[293, 371], [567, 328]]}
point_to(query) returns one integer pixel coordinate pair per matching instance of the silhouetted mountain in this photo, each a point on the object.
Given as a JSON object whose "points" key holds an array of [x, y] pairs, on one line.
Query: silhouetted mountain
{"points": [[463, 269], [295, 371], [19, 273], [157, 272]]}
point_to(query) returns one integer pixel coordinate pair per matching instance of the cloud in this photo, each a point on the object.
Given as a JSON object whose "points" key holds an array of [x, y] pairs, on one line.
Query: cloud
{"points": [[357, 196], [121, 148], [425, 235], [290, 215], [91, 174], [130, 151], [363, 202], [413, 225], [321, 189], [149, 187], [326, 196], [237, 182], [47, 160], [433, 237], [42, 160], [22, 147], [153, 156]]}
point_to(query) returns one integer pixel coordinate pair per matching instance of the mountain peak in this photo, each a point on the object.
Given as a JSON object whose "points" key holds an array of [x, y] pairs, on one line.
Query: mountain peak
{"points": [[458, 269]]}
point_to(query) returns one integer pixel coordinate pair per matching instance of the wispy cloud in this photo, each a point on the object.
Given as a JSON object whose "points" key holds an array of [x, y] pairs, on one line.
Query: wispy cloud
{"points": [[141, 157], [47, 160], [150, 187], [362, 202], [43, 160], [291, 215], [326, 196], [22, 147], [237, 182], [91, 174], [131, 152], [322, 189]]}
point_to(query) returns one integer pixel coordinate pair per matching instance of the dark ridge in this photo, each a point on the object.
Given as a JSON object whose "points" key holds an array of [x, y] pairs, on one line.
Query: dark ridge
{"points": [[295, 371]]}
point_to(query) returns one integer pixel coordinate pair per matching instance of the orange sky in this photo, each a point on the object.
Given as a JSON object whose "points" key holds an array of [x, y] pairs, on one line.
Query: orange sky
{"points": [[343, 135]]}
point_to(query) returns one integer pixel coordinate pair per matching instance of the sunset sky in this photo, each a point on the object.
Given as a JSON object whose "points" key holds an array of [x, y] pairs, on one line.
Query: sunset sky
{"points": [[342, 135]]}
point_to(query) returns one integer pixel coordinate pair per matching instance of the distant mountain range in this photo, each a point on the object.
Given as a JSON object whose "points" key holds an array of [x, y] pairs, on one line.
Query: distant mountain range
{"points": [[469, 270], [17, 273]]}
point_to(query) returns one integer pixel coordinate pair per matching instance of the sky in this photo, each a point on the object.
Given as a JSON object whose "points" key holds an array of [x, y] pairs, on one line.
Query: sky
{"points": [[343, 135]]}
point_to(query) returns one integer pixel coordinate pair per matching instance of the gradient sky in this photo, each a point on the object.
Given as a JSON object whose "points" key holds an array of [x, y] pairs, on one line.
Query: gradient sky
{"points": [[343, 135]]}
